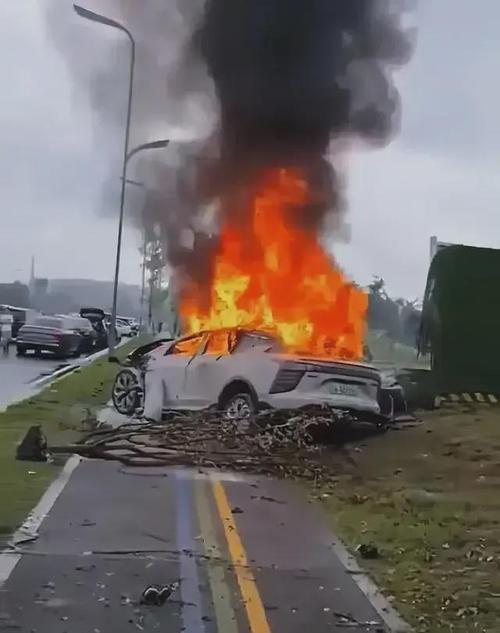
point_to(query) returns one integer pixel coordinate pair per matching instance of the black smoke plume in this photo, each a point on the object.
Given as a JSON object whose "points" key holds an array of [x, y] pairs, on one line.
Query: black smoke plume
{"points": [[293, 81], [292, 75]]}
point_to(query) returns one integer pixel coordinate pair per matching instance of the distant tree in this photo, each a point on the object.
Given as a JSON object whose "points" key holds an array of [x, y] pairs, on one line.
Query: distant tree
{"points": [[15, 294], [399, 318]]}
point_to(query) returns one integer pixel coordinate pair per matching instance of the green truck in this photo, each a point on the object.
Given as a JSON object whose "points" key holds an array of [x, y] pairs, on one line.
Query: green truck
{"points": [[460, 326]]}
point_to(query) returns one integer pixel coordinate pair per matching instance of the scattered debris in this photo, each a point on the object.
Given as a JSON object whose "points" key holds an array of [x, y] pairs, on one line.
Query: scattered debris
{"points": [[237, 510], [368, 551], [85, 567], [49, 585], [33, 447], [347, 620], [270, 499], [22, 537], [157, 595], [291, 443]]}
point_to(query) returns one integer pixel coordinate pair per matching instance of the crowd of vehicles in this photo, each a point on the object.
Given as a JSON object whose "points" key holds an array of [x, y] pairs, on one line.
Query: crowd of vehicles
{"points": [[242, 371], [66, 335]]}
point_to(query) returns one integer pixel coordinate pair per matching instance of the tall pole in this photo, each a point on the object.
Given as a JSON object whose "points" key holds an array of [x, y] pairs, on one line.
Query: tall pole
{"points": [[102, 19], [150, 303], [143, 284], [112, 333]]}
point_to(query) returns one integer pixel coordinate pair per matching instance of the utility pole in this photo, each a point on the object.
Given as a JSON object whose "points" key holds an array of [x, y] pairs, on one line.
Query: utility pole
{"points": [[155, 265], [143, 282]]}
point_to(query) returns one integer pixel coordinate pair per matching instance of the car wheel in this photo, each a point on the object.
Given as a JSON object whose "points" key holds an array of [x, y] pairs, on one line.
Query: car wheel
{"points": [[21, 351], [125, 395], [239, 407]]}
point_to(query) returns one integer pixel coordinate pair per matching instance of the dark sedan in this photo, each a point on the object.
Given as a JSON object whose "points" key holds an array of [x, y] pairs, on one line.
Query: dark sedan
{"points": [[49, 334], [84, 328]]}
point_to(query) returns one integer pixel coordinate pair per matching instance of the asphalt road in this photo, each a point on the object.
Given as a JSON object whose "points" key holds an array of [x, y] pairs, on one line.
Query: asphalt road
{"points": [[250, 556], [17, 374]]}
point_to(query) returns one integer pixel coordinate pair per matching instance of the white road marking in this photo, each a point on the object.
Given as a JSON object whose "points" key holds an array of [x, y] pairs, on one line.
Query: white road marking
{"points": [[9, 559]]}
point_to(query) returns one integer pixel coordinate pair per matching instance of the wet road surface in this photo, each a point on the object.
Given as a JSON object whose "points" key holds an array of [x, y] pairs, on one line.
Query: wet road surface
{"points": [[250, 554], [18, 373]]}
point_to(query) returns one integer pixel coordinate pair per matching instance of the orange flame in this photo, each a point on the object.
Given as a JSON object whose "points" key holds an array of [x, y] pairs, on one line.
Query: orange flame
{"points": [[273, 275]]}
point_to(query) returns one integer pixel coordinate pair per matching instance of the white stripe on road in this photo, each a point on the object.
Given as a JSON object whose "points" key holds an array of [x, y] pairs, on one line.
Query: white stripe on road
{"points": [[9, 558]]}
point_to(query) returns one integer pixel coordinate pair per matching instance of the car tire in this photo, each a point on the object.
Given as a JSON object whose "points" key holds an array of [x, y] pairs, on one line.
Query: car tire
{"points": [[125, 399], [238, 407], [20, 350]]}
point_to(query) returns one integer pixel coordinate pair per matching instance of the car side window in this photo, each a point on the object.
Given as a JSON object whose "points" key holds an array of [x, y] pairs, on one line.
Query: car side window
{"points": [[217, 344], [249, 342], [186, 347]]}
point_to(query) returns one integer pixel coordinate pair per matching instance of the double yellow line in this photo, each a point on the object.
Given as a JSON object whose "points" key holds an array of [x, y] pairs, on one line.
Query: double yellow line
{"points": [[220, 591]]}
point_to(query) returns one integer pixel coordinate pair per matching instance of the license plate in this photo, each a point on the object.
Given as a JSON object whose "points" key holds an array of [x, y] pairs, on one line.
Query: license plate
{"points": [[340, 389]]}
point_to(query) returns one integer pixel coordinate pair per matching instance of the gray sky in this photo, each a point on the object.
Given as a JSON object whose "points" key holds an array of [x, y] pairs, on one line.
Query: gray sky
{"points": [[439, 177]]}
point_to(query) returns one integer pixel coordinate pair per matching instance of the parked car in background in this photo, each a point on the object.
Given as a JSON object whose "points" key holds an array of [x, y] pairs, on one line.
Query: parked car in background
{"points": [[96, 316], [84, 328], [49, 334], [21, 316], [134, 324], [123, 327]]}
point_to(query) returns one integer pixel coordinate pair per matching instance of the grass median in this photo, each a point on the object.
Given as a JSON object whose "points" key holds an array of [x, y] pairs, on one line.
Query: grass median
{"points": [[59, 408], [427, 498]]}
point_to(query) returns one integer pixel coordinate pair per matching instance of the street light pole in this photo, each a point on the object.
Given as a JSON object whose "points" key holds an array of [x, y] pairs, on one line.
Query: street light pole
{"points": [[141, 185], [161, 144], [95, 17], [128, 155], [143, 281]]}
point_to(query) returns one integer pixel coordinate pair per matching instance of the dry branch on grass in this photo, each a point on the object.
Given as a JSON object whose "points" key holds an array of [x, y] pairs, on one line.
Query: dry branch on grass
{"points": [[274, 442]]}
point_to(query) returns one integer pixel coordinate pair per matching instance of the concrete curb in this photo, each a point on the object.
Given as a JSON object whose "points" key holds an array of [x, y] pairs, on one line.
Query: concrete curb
{"points": [[29, 529], [64, 371], [382, 606]]}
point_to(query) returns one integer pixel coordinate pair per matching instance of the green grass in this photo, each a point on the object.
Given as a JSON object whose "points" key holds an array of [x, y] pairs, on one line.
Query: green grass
{"points": [[427, 497], [59, 409], [386, 350]]}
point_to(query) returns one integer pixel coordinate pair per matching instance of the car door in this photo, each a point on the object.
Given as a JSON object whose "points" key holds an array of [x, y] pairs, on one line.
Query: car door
{"points": [[205, 372], [170, 369]]}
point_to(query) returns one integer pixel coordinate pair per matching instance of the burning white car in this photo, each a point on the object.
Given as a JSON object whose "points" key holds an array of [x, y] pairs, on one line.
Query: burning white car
{"points": [[240, 372]]}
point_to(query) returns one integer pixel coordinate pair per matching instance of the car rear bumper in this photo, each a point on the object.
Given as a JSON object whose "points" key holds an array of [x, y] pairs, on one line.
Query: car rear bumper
{"points": [[44, 347], [37, 344], [293, 400]]}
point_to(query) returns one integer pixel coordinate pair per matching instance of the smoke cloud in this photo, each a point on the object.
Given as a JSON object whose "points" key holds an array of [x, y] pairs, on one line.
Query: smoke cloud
{"points": [[287, 81], [291, 75]]}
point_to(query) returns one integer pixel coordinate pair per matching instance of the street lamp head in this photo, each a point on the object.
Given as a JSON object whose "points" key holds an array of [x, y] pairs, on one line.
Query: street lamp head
{"points": [[152, 145], [96, 17], [157, 144]]}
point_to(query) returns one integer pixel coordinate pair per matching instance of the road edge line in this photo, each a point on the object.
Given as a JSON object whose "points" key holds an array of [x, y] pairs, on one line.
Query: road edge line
{"points": [[32, 523], [254, 607], [368, 587], [221, 597]]}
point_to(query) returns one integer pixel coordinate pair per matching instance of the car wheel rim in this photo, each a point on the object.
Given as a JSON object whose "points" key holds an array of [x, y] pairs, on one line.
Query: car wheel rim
{"points": [[124, 392], [239, 410]]}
